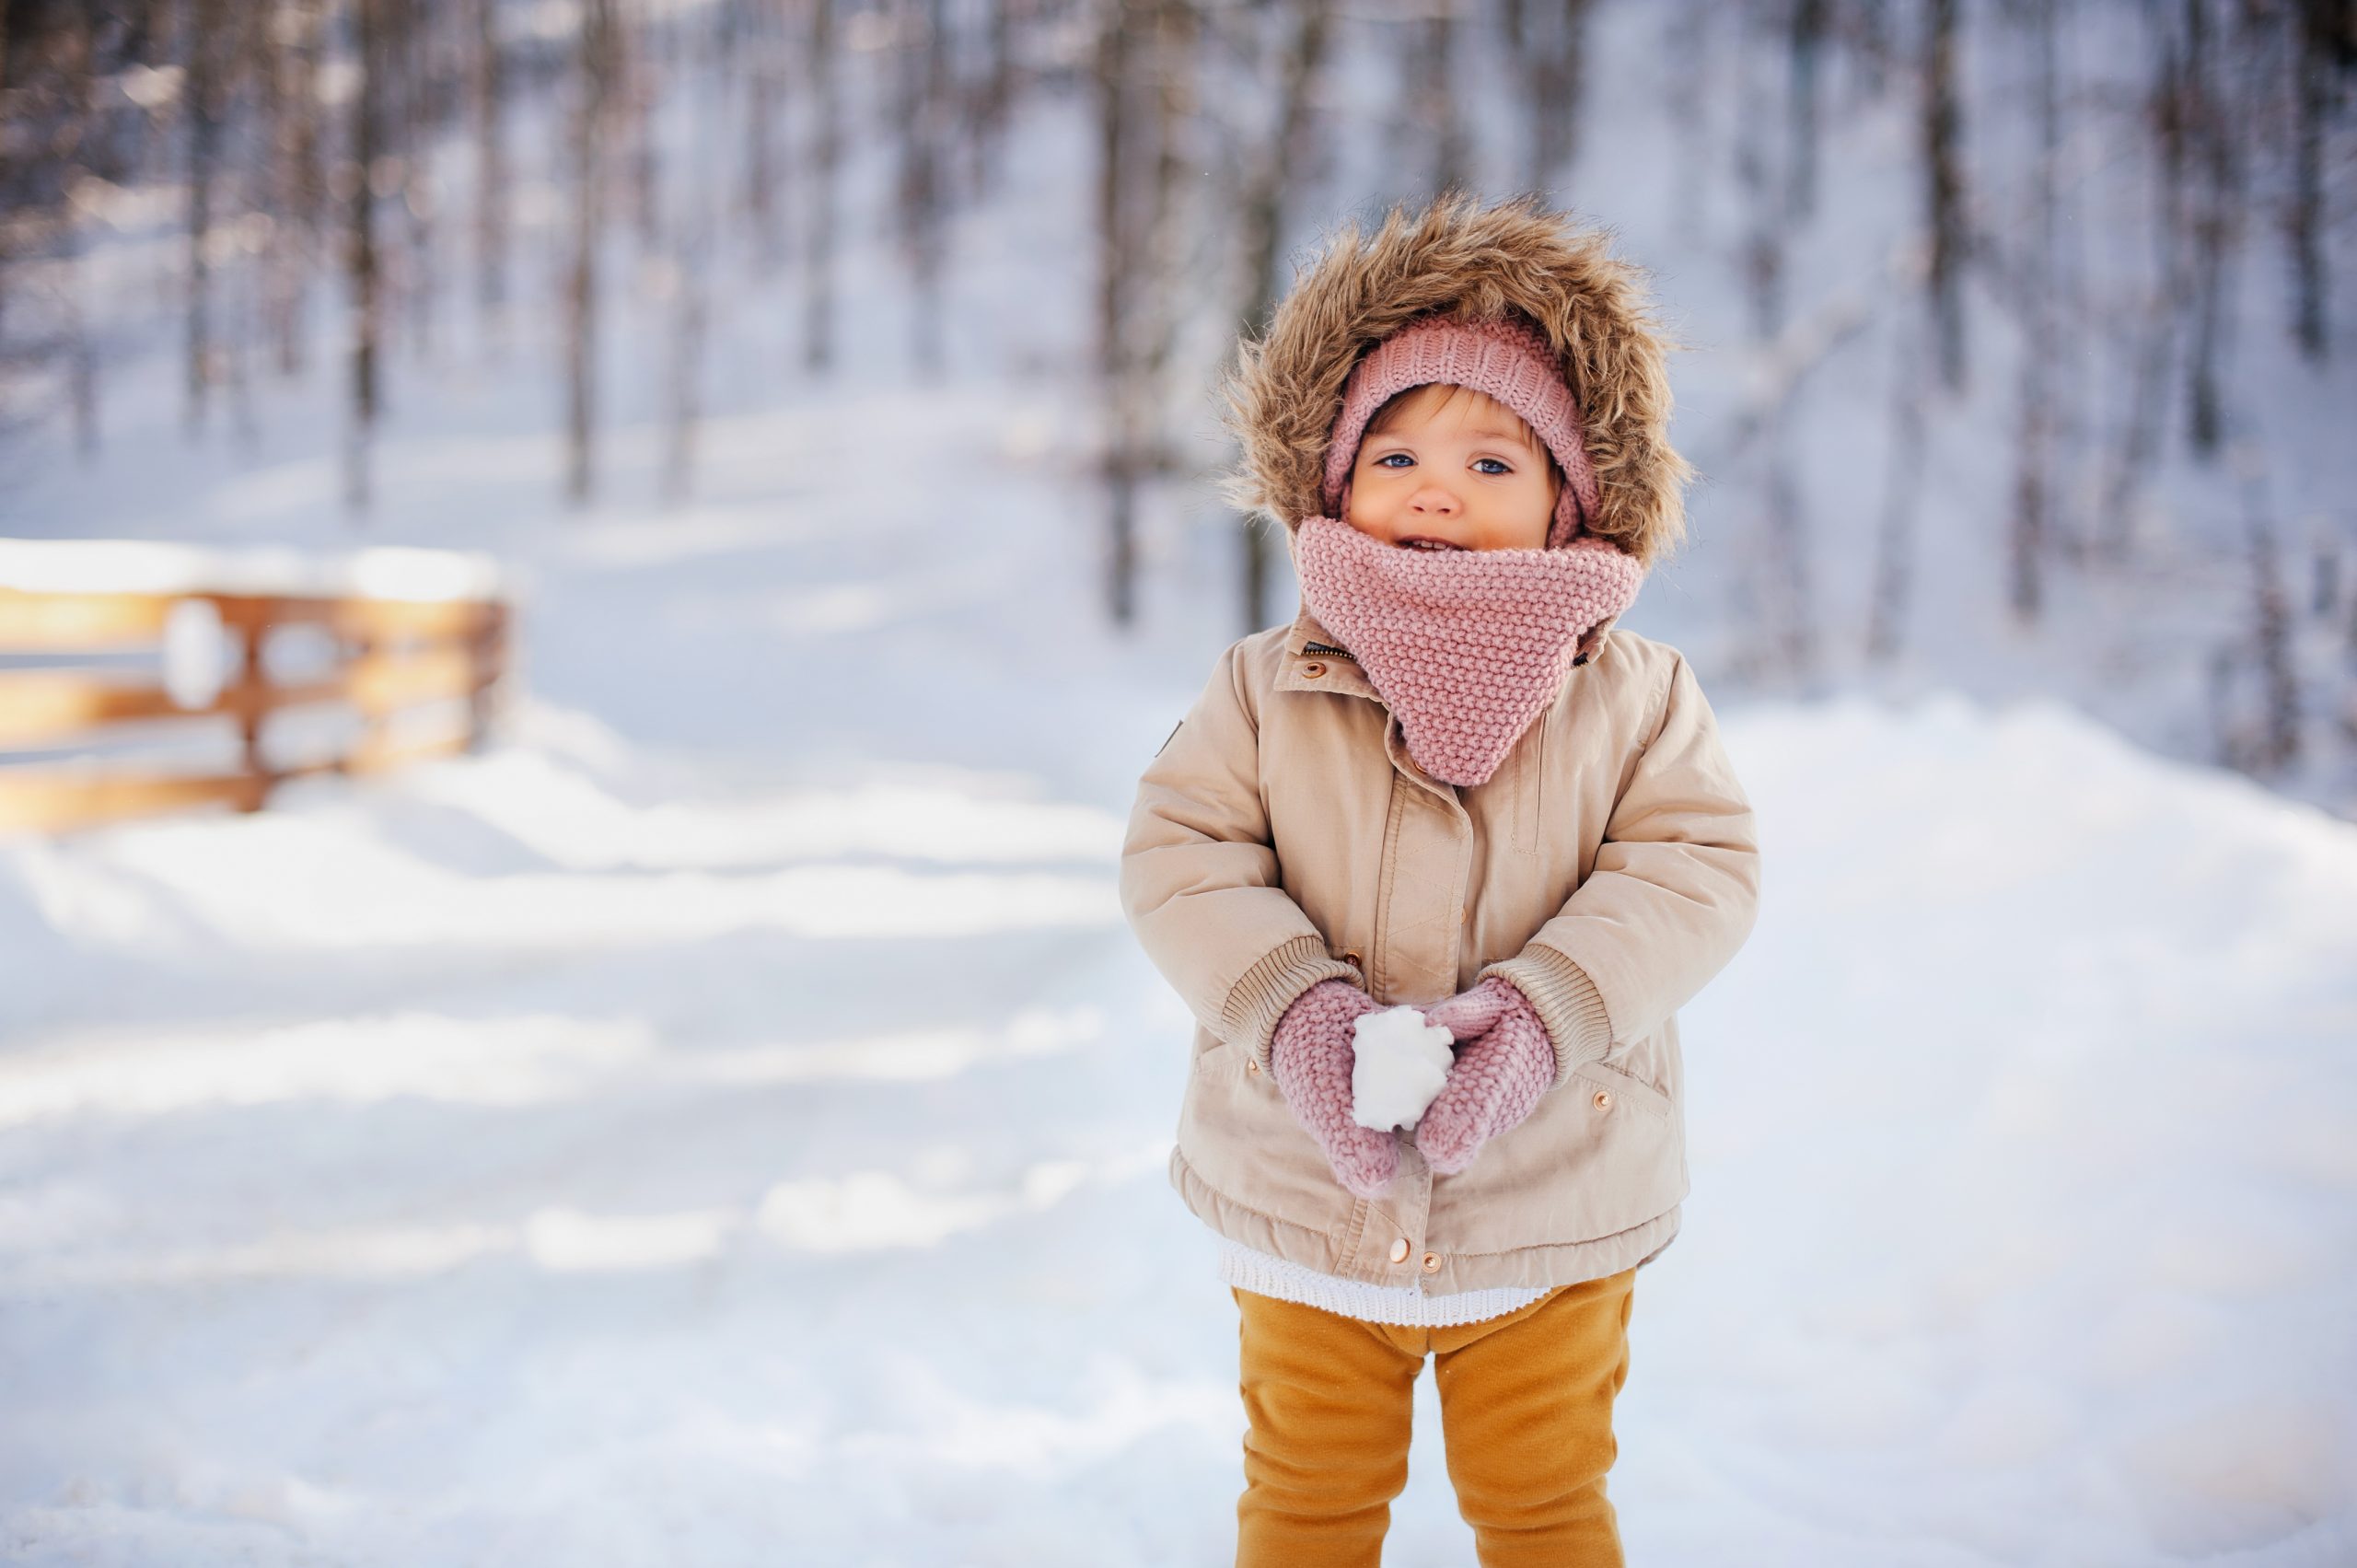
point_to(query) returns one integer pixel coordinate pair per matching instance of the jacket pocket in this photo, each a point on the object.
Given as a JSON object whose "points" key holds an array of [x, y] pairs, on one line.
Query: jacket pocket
{"points": [[1608, 1088]]}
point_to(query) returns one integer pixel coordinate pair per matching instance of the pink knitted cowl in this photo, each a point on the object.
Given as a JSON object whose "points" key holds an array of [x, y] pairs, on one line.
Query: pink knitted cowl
{"points": [[1467, 646]]}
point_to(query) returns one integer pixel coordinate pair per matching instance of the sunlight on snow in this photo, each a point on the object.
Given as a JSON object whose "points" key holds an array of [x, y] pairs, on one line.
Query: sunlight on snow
{"points": [[511, 1060], [514, 1060], [566, 815], [286, 881]]}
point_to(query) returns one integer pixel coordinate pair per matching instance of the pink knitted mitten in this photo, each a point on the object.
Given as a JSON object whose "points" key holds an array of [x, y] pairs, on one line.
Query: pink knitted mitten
{"points": [[1505, 1061], [1312, 1052]]}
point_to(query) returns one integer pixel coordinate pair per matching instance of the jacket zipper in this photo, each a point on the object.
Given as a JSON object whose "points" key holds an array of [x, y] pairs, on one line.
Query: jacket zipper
{"points": [[1330, 648]]}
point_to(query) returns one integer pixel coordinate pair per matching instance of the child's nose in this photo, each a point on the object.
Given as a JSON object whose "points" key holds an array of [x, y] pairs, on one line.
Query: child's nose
{"points": [[1436, 498]]}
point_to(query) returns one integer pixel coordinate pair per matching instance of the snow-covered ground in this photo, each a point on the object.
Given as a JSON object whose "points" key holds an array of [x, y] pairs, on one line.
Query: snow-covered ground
{"points": [[726, 1121]]}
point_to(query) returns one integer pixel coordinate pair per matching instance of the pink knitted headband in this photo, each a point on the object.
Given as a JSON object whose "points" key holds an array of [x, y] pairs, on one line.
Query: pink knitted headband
{"points": [[1509, 361]]}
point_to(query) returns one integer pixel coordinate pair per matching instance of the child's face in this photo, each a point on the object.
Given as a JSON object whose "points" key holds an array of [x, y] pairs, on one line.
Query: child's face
{"points": [[1454, 467]]}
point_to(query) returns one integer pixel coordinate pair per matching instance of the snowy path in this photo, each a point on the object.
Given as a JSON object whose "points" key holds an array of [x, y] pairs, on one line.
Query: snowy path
{"points": [[726, 1122], [498, 1170]]}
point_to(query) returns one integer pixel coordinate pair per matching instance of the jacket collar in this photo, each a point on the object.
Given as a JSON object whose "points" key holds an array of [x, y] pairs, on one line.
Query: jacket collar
{"points": [[1315, 662]]}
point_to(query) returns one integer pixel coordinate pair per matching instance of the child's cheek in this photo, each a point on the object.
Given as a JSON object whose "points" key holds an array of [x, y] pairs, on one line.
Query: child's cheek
{"points": [[1350, 509]]}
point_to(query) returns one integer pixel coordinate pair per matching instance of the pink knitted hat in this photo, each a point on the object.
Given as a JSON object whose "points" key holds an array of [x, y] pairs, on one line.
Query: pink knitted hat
{"points": [[1506, 358]]}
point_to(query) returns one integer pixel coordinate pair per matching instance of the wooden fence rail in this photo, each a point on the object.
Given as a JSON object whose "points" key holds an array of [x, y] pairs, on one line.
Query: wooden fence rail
{"points": [[390, 655]]}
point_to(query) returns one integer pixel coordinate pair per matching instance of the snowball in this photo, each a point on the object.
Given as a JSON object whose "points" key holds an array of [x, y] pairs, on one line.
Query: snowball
{"points": [[1399, 1064]]}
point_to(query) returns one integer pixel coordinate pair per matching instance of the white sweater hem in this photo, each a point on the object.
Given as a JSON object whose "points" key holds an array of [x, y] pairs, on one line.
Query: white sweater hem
{"points": [[1408, 1307]]}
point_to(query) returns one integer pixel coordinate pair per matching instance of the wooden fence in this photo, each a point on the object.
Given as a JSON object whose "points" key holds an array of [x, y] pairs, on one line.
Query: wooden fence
{"points": [[390, 655]]}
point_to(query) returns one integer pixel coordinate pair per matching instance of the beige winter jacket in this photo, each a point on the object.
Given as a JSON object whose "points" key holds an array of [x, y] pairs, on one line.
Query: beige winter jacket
{"points": [[1284, 835]]}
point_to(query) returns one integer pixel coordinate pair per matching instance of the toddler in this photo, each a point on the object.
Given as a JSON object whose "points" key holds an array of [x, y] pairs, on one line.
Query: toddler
{"points": [[1451, 783]]}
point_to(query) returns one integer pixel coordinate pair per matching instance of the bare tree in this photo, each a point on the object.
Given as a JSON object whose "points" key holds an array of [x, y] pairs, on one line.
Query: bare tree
{"points": [[204, 22], [1270, 191], [1116, 282], [363, 270], [1687, 38], [2168, 114], [688, 273], [2276, 744], [1433, 95], [1944, 171], [2326, 29], [2214, 208], [1894, 569], [990, 106], [637, 95], [1145, 103], [757, 37], [1550, 42], [1808, 31], [491, 162], [1787, 617], [819, 221], [82, 379], [594, 84], [923, 196], [2034, 447]]}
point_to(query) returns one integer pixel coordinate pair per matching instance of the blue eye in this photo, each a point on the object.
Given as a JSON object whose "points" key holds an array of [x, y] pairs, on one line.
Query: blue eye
{"points": [[1504, 467], [1386, 460]]}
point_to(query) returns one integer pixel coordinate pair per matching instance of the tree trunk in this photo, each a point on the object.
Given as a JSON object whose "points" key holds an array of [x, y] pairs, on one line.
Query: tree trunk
{"points": [[2033, 451], [2214, 214], [920, 194], [492, 195], [1800, 165], [819, 223], [2272, 626], [1893, 570], [588, 130], [202, 94], [2311, 96], [1943, 168], [361, 261], [1113, 359], [1552, 46], [1268, 197], [1436, 98]]}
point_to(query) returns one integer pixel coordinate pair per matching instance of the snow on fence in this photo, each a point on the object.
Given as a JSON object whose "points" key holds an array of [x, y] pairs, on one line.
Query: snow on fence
{"points": [[120, 660]]}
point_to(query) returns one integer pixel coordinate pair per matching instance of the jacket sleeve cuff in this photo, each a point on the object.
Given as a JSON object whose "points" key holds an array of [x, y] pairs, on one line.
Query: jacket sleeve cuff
{"points": [[1269, 987], [1566, 1001]]}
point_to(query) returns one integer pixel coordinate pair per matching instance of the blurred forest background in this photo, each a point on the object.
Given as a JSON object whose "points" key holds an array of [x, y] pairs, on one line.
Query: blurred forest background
{"points": [[2063, 285]]}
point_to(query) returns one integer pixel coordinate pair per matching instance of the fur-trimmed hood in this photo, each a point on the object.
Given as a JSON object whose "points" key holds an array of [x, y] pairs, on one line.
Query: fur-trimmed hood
{"points": [[1473, 263]]}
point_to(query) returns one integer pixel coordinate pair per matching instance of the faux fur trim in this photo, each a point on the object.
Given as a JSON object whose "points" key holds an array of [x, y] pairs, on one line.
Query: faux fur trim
{"points": [[1475, 262]]}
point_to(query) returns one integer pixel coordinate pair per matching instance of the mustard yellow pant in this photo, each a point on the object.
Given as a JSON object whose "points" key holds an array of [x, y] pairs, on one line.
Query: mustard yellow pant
{"points": [[1526, 1416]]}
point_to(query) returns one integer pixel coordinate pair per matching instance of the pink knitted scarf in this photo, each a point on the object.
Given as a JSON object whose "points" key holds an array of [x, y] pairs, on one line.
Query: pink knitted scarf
{"points": [[1467, 646]]}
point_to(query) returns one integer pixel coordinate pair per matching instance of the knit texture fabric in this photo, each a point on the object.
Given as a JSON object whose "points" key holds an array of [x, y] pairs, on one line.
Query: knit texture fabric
{"points": [[1505, 1063], [1467, 646], [1312, 1054], [1509, 360]]}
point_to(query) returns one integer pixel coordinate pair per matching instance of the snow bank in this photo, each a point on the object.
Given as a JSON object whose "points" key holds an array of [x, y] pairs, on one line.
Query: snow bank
{"points": [[626, 1219]]}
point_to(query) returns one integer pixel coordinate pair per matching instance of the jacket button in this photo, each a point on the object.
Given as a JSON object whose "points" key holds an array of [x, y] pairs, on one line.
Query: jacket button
{"points": [[1604, 1099], [1431, 1262], [1399, 1251], [1250, 1065], [1351, 957], [1312, 670]]}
